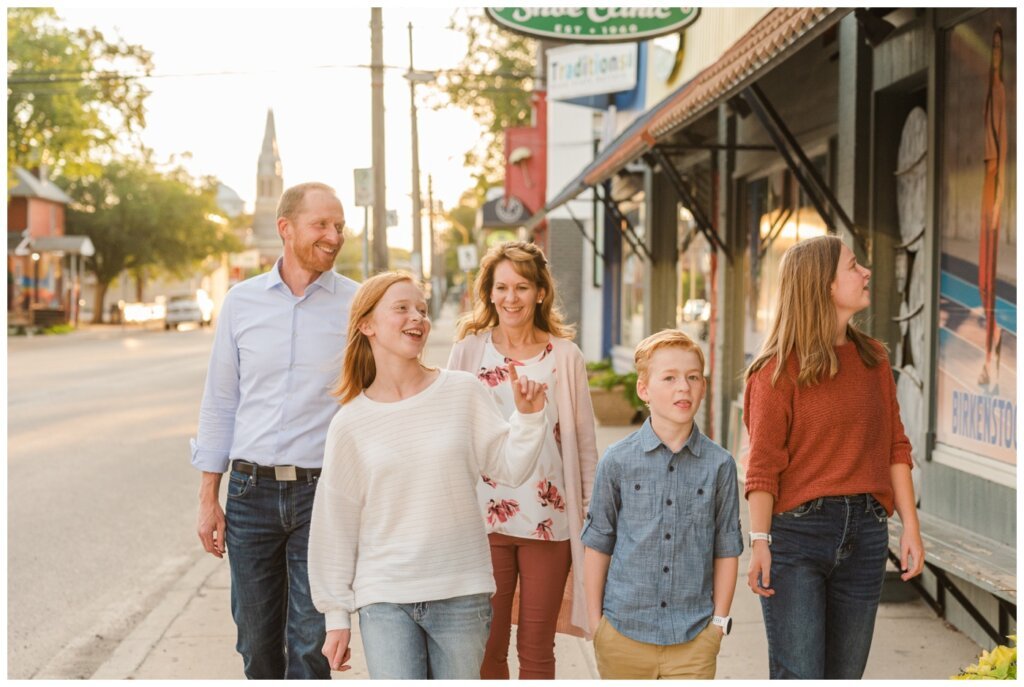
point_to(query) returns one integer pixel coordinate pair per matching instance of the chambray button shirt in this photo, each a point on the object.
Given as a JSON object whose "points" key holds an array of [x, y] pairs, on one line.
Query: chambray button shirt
{"points": [[663, 517], [275, 359]]}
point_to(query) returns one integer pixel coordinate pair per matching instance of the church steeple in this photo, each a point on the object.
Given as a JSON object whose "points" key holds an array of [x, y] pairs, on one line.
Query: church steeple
{"points": [[269, 186]]}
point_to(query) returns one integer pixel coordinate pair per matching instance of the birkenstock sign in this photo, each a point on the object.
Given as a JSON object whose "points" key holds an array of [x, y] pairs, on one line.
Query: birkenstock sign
{"points": [[594, 24]]}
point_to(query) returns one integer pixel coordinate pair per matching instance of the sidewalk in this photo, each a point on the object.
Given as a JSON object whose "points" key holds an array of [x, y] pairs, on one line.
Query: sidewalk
{"points": [[191, 634]]}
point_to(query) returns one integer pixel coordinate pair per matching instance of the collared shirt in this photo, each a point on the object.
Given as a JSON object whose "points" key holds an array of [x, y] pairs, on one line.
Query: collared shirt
{"points": [[276, 357], [663, 517]]}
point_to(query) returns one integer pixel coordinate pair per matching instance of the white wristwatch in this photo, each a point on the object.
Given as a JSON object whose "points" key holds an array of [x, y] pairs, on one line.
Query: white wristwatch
{"points": [[760, 536], [723, 621]]}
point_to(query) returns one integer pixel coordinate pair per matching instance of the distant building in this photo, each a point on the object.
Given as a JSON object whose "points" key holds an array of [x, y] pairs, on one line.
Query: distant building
{"points": [[269, 186], [229, 201]]}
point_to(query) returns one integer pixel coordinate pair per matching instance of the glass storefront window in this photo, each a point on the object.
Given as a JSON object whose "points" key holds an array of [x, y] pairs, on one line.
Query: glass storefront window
{"points": [[634, 270], [693, 297], [778, 215]]}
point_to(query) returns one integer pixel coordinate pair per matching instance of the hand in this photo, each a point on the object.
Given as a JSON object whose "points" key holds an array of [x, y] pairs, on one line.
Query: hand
{"points": [[912, 550], [336, 649], [721, 630], [529, 396], [760, 566], [211, 527]]}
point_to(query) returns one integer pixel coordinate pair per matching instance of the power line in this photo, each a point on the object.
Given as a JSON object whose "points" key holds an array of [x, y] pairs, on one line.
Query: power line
{"points": [[55, 77]]}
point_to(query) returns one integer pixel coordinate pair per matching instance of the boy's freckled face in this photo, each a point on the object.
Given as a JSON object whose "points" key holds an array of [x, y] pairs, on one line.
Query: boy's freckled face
{"points": [[674, 386]]}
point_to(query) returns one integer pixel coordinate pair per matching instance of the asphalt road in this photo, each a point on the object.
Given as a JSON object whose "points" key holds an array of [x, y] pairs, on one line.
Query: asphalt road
{"points": [[101, 497]]}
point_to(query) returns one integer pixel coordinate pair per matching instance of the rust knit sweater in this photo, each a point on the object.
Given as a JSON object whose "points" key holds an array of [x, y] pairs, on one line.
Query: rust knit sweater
{"points": [[833, 438]]}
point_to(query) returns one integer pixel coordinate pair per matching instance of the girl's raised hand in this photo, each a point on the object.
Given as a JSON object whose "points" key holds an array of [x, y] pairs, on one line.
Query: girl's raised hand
{"points": [[529, 396]]}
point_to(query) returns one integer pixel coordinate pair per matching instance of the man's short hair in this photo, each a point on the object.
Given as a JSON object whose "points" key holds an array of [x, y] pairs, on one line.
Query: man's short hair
{"points": [[666, 338], [291, 199]]}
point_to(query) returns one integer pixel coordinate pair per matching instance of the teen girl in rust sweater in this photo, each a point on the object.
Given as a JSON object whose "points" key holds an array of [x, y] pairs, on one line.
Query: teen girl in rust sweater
{"points": [[828, 463]]}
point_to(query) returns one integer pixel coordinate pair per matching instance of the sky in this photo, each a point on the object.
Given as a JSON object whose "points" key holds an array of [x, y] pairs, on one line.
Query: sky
{"points": [[217, 71]]}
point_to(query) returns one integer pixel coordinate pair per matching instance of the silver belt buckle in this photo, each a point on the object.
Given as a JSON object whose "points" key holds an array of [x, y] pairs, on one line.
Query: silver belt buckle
{"points": [[284, 473]]}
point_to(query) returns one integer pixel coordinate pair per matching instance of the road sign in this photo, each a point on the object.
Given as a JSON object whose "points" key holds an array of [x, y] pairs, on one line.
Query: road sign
{"points": [[468, 259], [364, 187]]}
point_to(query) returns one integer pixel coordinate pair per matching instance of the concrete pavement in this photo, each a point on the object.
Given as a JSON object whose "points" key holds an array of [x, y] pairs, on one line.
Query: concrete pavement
{"points": [[190, 634]]}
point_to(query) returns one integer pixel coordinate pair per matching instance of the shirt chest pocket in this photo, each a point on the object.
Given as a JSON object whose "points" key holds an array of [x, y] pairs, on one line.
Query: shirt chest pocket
{"points": [[697, 503], [639, 502]]}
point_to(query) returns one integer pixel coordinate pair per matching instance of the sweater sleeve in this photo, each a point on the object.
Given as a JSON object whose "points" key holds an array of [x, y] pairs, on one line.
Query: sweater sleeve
{"points": [[506, 451], [768, 415], [586, 434], [334, 535], [901, 448]]}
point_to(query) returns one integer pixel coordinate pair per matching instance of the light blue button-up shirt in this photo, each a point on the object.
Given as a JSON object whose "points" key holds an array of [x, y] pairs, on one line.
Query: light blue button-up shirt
{"points": [[276, 357], [663, 517]]}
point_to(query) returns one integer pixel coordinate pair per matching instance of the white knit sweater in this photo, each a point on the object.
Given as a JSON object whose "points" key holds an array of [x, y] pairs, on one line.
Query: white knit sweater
{"points": [[395, 518]]}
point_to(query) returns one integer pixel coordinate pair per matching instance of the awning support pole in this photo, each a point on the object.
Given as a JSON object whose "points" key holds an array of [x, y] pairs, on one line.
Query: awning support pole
{"points": [[687, 199], [623, 223], [815, 186]]}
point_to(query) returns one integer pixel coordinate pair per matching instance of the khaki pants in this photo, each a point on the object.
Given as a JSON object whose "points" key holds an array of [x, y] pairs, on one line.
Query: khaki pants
{"points": [[622, 658]]}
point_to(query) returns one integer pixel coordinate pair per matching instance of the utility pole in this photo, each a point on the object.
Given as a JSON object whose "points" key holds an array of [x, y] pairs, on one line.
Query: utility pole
{"points": [[380, 238], [417, 227], [436, 263]]}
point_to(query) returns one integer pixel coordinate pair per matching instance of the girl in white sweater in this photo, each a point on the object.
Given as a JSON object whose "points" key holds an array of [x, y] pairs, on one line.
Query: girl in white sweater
{"points": [[396, 533]]}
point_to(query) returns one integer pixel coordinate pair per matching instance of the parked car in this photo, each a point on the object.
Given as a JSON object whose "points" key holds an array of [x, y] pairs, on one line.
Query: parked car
{"points": [[191, 307]]}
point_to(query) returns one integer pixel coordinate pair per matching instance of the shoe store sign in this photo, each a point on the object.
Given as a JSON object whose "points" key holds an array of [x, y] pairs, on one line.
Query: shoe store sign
{"points": [[594, 24]]}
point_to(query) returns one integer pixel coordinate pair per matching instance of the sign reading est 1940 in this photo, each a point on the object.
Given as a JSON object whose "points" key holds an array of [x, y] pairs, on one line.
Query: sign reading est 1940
{"points": [[594, 24]]}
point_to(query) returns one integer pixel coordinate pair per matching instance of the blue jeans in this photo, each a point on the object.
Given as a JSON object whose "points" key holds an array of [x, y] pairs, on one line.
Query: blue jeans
{"points": [[441, 640], [828, 563], [280, 633]]}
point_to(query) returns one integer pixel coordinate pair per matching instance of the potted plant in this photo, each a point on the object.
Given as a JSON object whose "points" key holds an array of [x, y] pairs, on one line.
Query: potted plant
{"points": [[613, 395]]}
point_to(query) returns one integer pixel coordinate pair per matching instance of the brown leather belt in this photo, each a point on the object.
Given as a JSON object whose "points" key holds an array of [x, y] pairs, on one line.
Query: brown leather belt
{"points": [[280, 473]]}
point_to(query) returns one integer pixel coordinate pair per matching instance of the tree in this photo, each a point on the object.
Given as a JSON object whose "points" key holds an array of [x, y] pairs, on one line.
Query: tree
{"points": [[69, 95], [140, 219], [493, 81]]}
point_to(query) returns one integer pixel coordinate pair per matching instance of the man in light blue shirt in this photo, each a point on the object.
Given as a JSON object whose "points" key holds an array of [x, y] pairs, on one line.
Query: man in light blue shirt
{"points": [[277, 354]]}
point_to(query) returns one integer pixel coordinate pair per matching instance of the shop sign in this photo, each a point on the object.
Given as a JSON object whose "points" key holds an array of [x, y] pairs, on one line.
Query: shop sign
{"points": [[581, 70], [594, 24]]}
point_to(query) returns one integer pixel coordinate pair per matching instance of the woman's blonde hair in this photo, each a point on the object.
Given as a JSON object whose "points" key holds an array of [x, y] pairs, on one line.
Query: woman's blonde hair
{"points": [[359, 370], [805, 316], [529, 262]]}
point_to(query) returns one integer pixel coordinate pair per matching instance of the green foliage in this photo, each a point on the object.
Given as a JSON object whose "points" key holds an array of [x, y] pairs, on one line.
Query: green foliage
{"points": [[600, 375], [493, 81], [140, 218], [59, 329], [68, 92], [999, 664]]}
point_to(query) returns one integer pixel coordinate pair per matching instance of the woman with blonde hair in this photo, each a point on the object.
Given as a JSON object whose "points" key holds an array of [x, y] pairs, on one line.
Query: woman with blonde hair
{"points": [[828, 464], [395, 532], [534, 529]]}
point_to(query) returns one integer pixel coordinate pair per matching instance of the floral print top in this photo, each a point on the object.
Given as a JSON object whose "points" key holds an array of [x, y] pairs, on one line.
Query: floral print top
{"points": [[536, 509]]}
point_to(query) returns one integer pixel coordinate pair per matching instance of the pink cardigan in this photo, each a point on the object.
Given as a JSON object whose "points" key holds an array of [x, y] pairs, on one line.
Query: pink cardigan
{"points": [[579, 447]]}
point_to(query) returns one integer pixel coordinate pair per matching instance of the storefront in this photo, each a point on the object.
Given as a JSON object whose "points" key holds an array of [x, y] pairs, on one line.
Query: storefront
{"points": [[894, 129]]}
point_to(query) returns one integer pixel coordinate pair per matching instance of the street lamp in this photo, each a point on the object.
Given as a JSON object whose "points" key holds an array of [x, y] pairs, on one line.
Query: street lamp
{"points": [[35, 278]]}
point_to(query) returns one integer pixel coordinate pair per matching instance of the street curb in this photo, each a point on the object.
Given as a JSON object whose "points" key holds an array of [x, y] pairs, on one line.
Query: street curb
{"points": [[134, 648]]}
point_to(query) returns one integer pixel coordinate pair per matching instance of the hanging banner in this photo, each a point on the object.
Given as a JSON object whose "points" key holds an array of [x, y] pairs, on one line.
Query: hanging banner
{"points": [[594, 24]]}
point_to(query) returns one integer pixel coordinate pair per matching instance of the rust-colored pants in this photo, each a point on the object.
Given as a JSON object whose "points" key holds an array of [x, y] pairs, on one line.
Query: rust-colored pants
{"points": [[541, 568]]}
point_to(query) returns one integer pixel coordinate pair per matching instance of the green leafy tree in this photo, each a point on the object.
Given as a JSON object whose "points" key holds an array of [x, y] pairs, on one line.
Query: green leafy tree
{"points": [[141, 219], [493, 81], [70, 92]]}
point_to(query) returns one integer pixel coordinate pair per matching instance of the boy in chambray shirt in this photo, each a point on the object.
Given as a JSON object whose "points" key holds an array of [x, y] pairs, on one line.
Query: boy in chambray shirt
{"points": [[662, 535]]}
